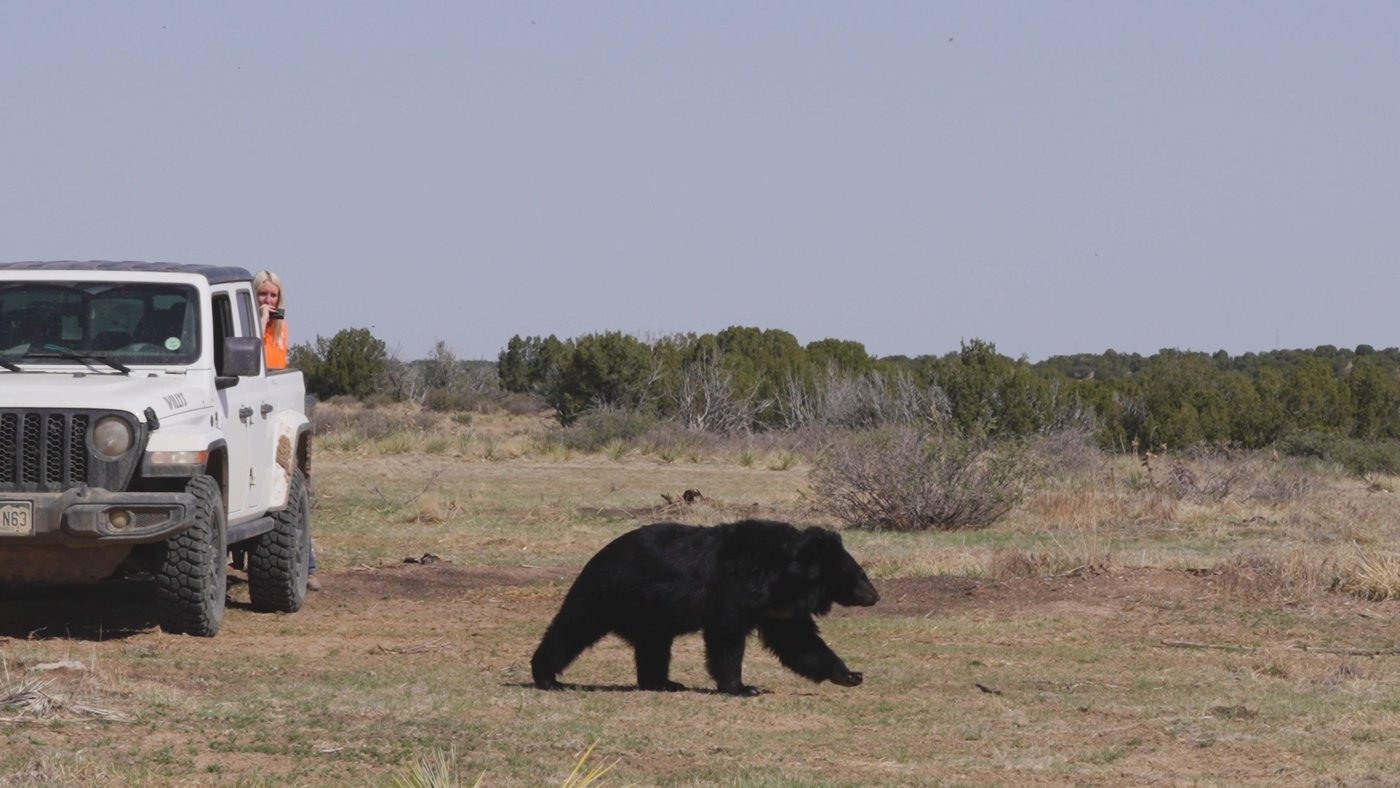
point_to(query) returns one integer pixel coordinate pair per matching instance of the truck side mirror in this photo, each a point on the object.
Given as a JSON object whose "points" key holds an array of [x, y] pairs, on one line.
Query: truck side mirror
{"points": [[242, 359]]}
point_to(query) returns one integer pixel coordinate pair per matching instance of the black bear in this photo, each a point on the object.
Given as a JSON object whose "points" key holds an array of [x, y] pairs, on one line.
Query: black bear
{"points": [[662, 580]]}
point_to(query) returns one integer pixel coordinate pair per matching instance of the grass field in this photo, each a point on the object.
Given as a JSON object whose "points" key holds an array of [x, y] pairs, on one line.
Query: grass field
{"points": [[1120, 627]]}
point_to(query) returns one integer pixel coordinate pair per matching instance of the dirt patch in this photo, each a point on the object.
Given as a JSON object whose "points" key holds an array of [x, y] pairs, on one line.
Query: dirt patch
{"points": [[1090, 590], [433, 581]]}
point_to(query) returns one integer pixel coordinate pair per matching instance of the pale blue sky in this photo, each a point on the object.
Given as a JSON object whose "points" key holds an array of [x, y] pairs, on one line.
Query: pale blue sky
{"points": [[1052, 177]]}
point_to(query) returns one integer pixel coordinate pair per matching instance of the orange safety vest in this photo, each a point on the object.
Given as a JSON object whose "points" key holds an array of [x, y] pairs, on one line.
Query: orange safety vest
{"points": [[275, 344]]}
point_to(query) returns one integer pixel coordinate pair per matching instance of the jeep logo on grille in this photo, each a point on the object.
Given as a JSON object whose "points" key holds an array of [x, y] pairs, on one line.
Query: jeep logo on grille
{"points": [[174, 401]]}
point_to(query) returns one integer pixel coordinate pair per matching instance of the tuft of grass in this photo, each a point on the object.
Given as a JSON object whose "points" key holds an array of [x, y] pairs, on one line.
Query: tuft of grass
{"points": [[464, 442], [398, 442], [491, 448], [616, 449], [784, 460], [438, 769], [347, 441], [581, 776], [1372, 575], [435, 769], [668, 453]]}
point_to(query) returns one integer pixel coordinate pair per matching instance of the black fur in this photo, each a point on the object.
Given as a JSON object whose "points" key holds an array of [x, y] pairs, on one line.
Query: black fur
{"points": [[659, 581]]}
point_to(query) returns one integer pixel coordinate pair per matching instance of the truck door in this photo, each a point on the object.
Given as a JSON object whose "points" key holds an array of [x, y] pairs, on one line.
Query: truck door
{"points": [[238, 414], [261, 438]]}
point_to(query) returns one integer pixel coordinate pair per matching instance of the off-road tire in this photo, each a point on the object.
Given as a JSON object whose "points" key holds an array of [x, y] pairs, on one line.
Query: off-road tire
{"points": [[278, 560], [192, 580]]}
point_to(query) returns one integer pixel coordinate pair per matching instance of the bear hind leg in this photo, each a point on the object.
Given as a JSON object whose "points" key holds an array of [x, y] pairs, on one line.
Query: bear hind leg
{"points": [[562, 642], [653, 656]]}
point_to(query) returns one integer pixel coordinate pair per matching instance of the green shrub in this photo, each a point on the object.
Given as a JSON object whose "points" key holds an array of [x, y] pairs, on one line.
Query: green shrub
{"points": [[1318, 445], [1365, 458], [1359, 457], [594, 430], [351, 362], [444, 400]]}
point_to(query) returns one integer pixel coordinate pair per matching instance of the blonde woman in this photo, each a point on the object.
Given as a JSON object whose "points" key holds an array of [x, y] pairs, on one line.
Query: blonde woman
{"points": [[271, 318]]}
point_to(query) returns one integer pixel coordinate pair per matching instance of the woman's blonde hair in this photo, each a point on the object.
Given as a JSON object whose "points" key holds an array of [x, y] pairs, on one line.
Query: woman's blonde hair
{"points": [[268, 276]]}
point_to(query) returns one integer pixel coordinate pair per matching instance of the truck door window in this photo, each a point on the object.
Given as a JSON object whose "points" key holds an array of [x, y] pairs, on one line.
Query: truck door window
{"points": [[245, 313], [223, 328]]}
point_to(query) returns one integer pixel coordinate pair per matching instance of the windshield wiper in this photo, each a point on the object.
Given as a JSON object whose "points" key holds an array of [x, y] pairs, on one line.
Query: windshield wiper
{"points": [[85, 357]]}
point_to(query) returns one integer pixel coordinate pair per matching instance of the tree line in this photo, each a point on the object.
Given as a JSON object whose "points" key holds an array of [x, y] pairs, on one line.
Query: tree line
{"points": [[752, 379]]}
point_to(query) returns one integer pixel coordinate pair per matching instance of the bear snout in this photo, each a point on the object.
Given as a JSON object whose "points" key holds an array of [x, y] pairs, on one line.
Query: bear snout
{"points": [[865, 594]]}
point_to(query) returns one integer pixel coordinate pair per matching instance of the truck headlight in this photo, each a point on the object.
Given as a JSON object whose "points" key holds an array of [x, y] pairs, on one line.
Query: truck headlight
{"points": [[112, 436]]}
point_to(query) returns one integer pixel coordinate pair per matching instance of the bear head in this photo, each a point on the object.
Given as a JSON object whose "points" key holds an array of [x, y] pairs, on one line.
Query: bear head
{"points": [[827, 574]]}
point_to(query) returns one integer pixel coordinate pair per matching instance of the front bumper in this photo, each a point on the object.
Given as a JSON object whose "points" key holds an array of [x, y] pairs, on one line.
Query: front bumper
{"points": [[89, 516]]}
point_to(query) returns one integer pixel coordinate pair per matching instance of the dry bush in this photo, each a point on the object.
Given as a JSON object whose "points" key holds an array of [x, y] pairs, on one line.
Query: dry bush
{"points": [[911, 479], [1080, 551], [1278, 482], [1213, 474], [519, 404], [708, 401], [1304, 571], [339, 416], [861, 401], [1070, 450], [433, 509], [1094, 505], [1011, 564], [1259, 575]]}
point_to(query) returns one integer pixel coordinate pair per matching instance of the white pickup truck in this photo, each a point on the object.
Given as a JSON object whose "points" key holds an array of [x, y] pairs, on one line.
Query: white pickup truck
{"points": [[141, 434]]}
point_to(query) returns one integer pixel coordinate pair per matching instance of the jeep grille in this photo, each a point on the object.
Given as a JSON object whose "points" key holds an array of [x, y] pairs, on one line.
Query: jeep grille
{"points": [[47, 451]]}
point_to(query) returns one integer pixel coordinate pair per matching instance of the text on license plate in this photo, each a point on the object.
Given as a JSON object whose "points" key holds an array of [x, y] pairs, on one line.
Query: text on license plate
{"points": [[16, 518]]}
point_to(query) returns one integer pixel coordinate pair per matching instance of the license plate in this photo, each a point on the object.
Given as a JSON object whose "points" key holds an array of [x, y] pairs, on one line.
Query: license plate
{"points": [[16, 518]]}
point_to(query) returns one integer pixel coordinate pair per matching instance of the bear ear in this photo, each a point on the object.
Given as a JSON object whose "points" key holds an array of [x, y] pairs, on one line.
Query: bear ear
{"points": [[812, 550]]}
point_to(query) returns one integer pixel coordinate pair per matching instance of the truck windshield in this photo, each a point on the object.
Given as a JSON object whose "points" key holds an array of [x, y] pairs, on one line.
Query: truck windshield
{"points": [[79, 322]]}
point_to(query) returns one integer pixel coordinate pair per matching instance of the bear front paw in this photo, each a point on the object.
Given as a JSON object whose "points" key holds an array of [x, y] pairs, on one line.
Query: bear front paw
{"points": [[848, 678], [741, 690], [548, 684]]}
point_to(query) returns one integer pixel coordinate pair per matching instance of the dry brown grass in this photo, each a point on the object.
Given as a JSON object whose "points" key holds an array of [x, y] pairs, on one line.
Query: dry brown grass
{"points": [[1037, 651]]}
